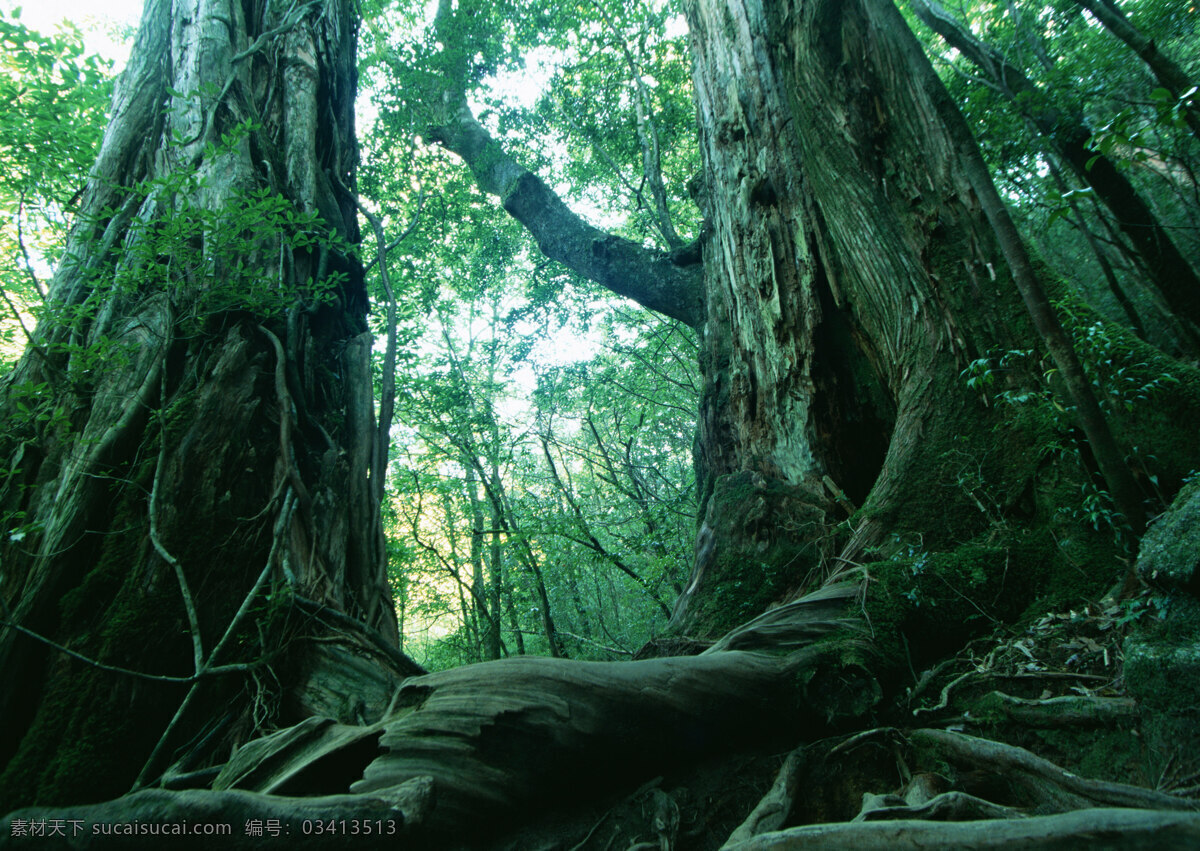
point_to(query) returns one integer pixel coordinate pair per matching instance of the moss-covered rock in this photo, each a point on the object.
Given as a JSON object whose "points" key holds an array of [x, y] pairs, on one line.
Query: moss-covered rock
{"points": [[920, 603], [1162, 671], [1169, 557], [1162, 659]]}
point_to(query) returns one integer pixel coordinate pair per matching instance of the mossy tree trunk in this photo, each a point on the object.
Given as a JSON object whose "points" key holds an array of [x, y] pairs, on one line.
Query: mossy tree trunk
{"points": [[848, 272], [850, 278], [194, 432]]}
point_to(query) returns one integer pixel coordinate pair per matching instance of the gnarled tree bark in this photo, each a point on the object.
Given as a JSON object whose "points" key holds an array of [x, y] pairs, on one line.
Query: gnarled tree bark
{"points": [[208, 346], [850, 275]]}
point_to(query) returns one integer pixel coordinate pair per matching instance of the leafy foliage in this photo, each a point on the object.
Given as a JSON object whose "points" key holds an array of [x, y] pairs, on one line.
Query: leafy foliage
{"points": [[542, 494], [53, 97], [1082, 72]]}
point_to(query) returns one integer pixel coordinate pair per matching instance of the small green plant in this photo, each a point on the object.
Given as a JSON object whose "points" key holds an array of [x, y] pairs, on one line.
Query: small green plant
{"points": [[1134, 134], [1122, 383], [16, 530], [982, 373], [1098, 510], [35, 409]]}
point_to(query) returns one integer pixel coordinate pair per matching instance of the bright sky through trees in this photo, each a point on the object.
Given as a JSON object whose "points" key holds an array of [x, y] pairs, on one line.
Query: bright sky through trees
{"points": [[101, 24]]}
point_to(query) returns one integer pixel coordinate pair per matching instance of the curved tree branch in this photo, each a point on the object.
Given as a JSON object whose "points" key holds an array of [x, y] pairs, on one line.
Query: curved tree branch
{"points": [[662, 282], [669, 283]]}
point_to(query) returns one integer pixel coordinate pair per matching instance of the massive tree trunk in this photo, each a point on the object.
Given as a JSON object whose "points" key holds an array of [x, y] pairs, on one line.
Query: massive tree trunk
{"points": [[851, 276], [848, 276], [192, 434]]}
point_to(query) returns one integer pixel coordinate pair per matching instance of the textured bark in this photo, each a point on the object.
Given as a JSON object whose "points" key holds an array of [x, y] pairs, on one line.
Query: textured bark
{"points": [[1110, 458], [850, 276], [850, 272], [234, 392], [466, 755]]}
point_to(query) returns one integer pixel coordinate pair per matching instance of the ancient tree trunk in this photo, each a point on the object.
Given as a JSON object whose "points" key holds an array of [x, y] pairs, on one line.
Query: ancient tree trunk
{"points": [[851, 271], [850, 277], [201, 495]]}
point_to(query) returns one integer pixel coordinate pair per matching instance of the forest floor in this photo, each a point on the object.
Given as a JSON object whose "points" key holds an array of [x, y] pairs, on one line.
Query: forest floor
{"points": [[1054, 689], [1058, 689]]}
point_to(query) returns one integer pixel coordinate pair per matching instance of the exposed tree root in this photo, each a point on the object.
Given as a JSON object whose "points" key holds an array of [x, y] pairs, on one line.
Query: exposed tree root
{"points": [[551, 747], [948, 806], [1152, 830], [771, 812], [990, 783], [1036, 783], [1066, 711]]}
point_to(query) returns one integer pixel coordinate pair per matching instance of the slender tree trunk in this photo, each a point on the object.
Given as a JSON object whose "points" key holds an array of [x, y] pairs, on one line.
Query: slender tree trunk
{"points": [[468, 612], [1110, 277], [213, 371], [1170, 74], [1070, 140], [485, 593], [589, 538], [505, 521]]}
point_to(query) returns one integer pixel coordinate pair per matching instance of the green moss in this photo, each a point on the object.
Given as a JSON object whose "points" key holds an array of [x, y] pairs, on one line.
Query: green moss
{"points": [[747, 587], [178, 417], [86, 742], [920, 603], [969, 473], [121, 551], [1113, 755], [987, 710], [1169, 556], [837, 686], [1162, 658], [87, 739], [1150, 398], [767, 540], [1162, 671]]}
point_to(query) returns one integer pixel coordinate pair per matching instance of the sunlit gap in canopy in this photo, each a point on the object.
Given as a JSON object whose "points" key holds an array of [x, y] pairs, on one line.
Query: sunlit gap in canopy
{"points": [[107, 29], [521, 88]]}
